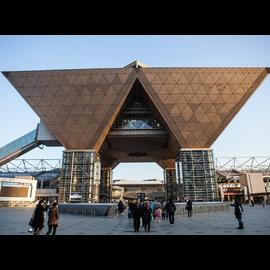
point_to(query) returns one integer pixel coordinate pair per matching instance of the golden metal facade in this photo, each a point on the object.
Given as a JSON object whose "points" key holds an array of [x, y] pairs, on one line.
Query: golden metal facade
{"points": [[80, 106]]}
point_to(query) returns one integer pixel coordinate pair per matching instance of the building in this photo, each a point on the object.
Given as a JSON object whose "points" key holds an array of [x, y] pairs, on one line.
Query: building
{"points": [[245, 185], [153, 189], [106, 116], [117, 193], [17, 192], [256, 187], [46, 182]]}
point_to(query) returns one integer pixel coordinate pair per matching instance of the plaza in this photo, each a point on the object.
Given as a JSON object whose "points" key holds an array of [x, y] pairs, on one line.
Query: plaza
{"points": [[14, 221]]}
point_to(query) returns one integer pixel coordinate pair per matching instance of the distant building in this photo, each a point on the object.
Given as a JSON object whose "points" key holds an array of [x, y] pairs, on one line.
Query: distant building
{"points": [[153, 188], [17, 192], [246, 185], [117, 193], [46, 183]]}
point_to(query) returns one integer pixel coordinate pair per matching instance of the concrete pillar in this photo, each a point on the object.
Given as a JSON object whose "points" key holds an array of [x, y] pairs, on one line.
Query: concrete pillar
{"points": [[105, 188], [80, 176], [171, 186]]}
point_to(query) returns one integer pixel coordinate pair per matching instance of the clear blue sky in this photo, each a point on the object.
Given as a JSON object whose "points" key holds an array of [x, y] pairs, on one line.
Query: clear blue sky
{"points": [[247, 135]]}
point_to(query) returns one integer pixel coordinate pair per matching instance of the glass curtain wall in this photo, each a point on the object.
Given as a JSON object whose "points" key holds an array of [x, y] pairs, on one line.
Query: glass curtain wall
{"points": [[79, 177], [196, 175]]}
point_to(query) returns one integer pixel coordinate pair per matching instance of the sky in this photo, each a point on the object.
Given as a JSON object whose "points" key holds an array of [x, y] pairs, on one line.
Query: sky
{"points": [[246, 135]]}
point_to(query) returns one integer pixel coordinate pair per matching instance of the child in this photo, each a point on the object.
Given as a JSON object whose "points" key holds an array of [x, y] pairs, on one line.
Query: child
{"points": [[158, 214]]}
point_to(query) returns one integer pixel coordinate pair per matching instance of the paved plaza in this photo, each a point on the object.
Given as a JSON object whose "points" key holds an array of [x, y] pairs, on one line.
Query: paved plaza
{"points": [[14, 221]]}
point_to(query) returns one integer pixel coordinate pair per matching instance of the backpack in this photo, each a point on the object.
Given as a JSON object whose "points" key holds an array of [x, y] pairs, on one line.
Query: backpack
{"points": [[171, 208]]}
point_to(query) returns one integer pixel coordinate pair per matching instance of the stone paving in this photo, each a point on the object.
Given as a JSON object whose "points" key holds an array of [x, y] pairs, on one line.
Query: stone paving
{"points": [[14, 221]]}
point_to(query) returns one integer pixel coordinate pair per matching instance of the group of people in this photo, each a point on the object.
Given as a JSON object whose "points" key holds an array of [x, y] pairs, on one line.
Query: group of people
{"points": [[39, 216], [143, 212]]}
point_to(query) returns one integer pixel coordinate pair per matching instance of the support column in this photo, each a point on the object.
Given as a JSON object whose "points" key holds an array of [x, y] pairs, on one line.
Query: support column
{"points": [[79, 176], [196, 174], [105, 188], [170, 184]]}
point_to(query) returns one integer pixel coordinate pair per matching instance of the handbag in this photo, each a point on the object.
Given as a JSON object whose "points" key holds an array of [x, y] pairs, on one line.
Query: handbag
{"points": [[30, 222]]}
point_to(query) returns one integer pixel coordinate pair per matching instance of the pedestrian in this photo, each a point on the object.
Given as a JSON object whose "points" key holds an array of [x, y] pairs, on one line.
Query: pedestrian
{"points": [[238, 210], [121, 208], [163, 209], [130, 206], [38, 218], [263, 203], [137, 213], [170, 209], [147, 216], [189, 207], [53, 218], [158, 213]]}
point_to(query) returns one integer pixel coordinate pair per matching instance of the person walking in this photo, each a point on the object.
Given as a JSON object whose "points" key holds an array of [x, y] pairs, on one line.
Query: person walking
{"points": [[163, 209], [53, 218], [238, 210], [189, 207], [158, 213], [147, 216], [171, 210], [263, 203], [38, 218], [137, 213], [121, 208]]}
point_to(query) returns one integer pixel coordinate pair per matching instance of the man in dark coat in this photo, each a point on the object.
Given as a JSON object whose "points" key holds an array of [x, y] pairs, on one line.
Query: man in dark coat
{"points": [[170, 209], [238, 210], [137, 214], [147, 215], [189, 208], [38, 218]]}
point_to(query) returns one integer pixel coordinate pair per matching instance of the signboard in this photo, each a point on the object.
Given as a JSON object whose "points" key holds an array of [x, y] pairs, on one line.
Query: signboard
{"points": [[75, 196]]}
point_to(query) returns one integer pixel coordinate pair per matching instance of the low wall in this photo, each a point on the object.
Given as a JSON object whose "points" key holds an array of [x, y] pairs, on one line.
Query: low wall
{"points": [[202, 207], [89, 209], [19, 204]]}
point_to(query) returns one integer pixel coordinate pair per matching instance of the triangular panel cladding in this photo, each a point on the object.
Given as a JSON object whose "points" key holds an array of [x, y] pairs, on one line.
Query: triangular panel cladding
{"points": [[140, 112], [75, 105], [80, 106], [198, 103], [140, 115]]}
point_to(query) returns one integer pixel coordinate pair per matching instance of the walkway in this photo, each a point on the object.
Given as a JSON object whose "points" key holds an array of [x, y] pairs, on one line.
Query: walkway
{"points": [[256, 220]]}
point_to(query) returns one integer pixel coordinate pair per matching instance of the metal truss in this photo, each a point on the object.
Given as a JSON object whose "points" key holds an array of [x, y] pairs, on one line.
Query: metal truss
{"points": [[30, 165], [243, 164]]}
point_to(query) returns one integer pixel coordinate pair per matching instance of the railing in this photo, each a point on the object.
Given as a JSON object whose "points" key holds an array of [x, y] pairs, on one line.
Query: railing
{"points": [[202, 208]]}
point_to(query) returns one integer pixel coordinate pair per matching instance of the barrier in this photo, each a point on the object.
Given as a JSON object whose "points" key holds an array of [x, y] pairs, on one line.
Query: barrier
{"points": [[89, 209], [201, 208]]}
